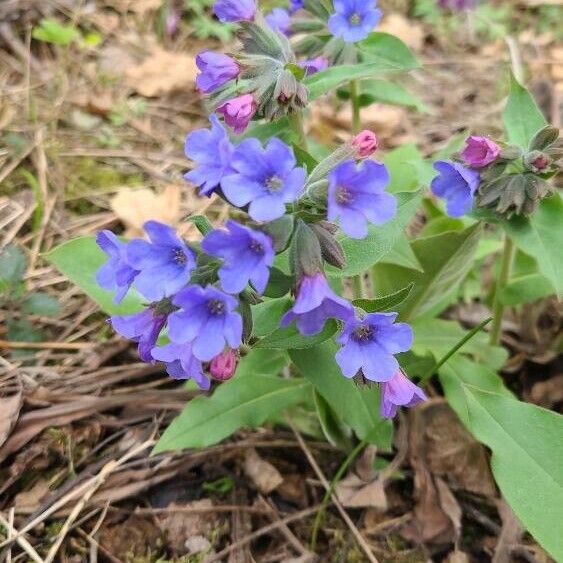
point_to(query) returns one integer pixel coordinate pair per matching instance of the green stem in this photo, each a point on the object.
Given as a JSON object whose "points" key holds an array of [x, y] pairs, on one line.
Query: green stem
{"points": [[504, 276], [355, 101], [296, 124], [337, 476], [358, 286]]}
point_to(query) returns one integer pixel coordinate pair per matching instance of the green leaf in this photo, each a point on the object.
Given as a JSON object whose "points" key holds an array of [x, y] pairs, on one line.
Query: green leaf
{"points": [[279, 283], [408, 169], [266, 316], [305, 159], [52, 31], [402, 255], [290, 338], [357, 406], [39, 303], [240, 402], [335, 431], [387, 92], [362, 254], [446, 259], [78, 260], [262, 362], [386, 303], [522, 117], [267, 130], [438, 337], [540, 236], [388, 49], [13, 265], [525, 289], [527, 454]]}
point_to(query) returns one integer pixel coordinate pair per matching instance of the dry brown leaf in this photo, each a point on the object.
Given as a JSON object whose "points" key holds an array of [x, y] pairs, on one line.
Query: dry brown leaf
{"points": [[162, 72], [547, 393], [9, 412], [29, 501], [136, 206], [510, 534], [352, 492], [458, 557], [131, 539], [404, 28], [263, 474]]}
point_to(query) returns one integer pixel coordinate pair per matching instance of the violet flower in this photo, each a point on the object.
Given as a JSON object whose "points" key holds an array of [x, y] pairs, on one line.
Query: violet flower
{"points": [[216, 69], [143, 327], [266, 178], [457, 185], [181, 363], [479, 151], [223, 366], [356, 196], [235, 10], [369, 344], [399, 391], [315, 304], [279, 20], [207, 318], [212, 151], [295, 6], [312, 66], [353, 20], [247, 255], [238, 112], [116, 274], [165, 262]]}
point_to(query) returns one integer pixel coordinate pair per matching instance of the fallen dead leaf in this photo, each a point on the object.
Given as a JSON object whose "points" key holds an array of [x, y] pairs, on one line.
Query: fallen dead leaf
{"points": [[9, 412], [28, 501], [547, 393], [263, 474], [162, 72], [135, 537], [510, 534], [352, 492], [136, 206], [458, 557]]}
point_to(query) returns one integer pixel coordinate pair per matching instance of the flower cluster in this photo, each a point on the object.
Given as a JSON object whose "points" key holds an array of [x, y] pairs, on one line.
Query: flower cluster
{"points": [[508, 179]]}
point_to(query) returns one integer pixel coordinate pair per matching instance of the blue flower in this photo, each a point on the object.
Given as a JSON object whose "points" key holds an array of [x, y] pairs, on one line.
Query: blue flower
{"points": [[315, 304], [165, 263], [369, 344], [212, 151], [356, 195], [312, 66], [116, 273], [353, 20], [181, 363], [279, 20], [235, 10], [216, 69], [266, 179], [295, 5], [143, 327], [247, 255], [207, 318], [457, 185]]}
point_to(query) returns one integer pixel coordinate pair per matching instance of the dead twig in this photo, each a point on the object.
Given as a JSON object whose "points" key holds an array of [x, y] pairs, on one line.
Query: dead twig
{"points": [[14, 535]]}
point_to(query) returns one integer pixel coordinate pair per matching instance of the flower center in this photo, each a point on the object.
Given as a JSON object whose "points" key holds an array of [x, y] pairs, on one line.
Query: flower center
{"points": [[343, 196], [274, 183], [216, 307], [355, 19], [363, 333], [180, 256], [256, 247]]}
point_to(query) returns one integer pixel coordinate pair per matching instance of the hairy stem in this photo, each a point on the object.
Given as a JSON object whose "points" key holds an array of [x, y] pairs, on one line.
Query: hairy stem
{"points": [[504, 276], [296, 124], [355, 101], [337, 476]]}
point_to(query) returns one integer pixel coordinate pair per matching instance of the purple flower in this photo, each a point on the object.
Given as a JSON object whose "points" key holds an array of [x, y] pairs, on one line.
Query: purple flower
{"points": [[223, 366], [116, 273], [216, 69], [212, 151], [315, 304], [353, 19], [238, 112], [279, 20], [181, 363], [399, 392], [457, 185], [165, 263], [356, 195], [207, 318], [266, 179], [369, 344], [312, 66], [235, 10], [247, 255], [295, 5], [143, 327], [479, 151], [366, 143], [457, 5]]}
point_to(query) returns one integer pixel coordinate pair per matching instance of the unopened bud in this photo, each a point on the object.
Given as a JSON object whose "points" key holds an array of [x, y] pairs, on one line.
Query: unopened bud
{"points": [[223, 366], [305, 251], [366, 143], [331, 249], [538, 161]]}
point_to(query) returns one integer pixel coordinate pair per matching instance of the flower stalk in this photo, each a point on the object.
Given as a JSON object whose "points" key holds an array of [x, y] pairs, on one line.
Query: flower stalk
{"points": [[297, 126], [502, 281], [355, 101]]}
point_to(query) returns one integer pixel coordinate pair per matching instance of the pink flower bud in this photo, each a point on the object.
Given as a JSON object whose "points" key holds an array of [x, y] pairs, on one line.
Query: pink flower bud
{"points": [[541, 162], [223, 366], [238, 112], [479, 151], [399, 391], [366, 142]]}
